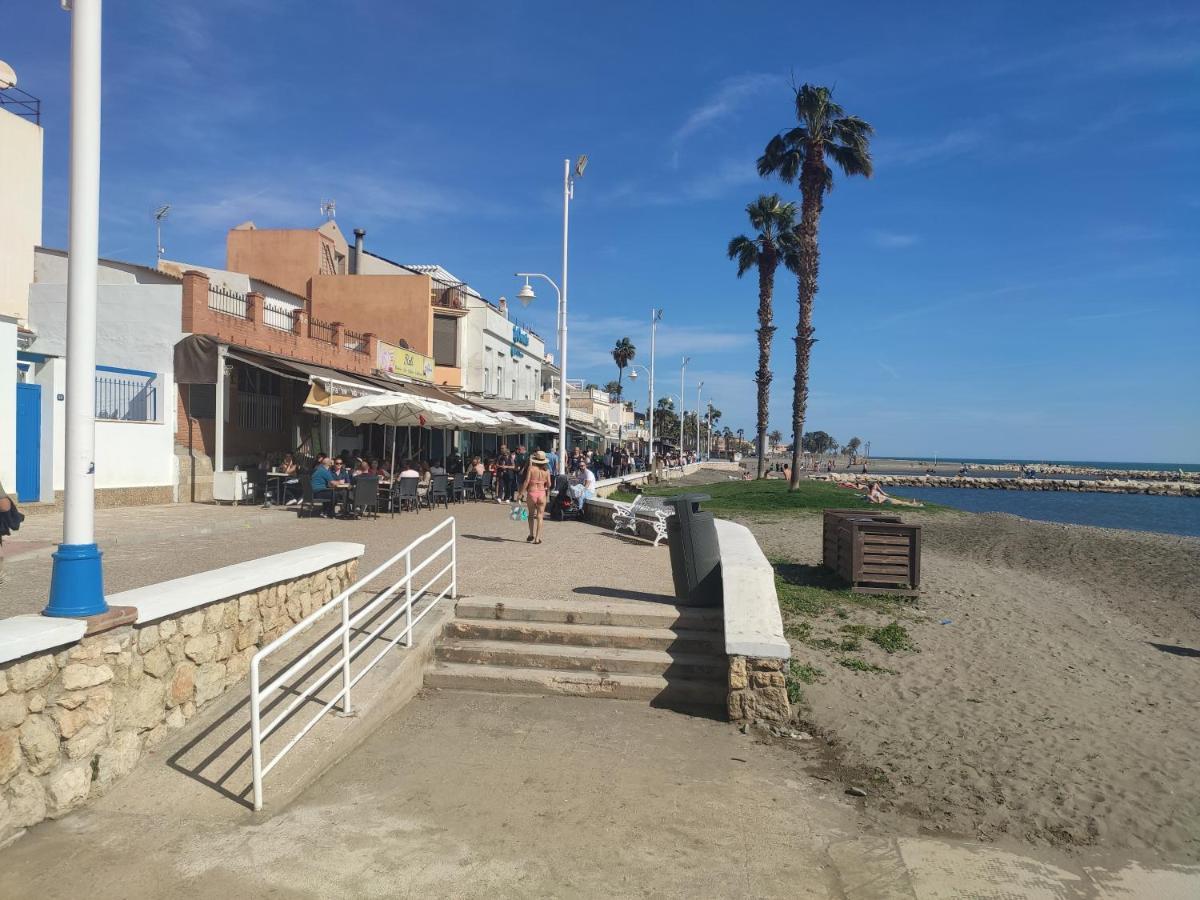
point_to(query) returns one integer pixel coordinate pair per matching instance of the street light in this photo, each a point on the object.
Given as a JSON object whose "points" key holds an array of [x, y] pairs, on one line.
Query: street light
{"points": [[77, 578], [525, 295], [699, 388], [655, 317], [682, 409]]}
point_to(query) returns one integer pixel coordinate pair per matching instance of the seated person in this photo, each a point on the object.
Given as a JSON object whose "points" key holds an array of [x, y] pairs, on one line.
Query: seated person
{"points": [[360, 468], [323, 483], [587, 480], [292, 491], [437, 469], [423, 480], [407, 471]]}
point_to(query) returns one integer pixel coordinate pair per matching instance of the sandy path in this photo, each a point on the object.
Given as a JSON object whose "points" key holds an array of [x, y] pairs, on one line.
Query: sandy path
{"points": [[1043, 710]]}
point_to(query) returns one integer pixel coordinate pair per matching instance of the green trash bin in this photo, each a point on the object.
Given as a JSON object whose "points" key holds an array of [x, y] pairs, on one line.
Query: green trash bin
{"points": [[695, 555]]}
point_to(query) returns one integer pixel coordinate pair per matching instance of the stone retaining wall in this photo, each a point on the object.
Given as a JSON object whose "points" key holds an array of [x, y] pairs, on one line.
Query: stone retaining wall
{"points": [[75, 719], [758, 690], [1113, 486]]}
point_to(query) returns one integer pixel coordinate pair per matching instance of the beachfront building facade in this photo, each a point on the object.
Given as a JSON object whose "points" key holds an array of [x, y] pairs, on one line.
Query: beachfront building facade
{"points": [[416, 308], [21, 398]]}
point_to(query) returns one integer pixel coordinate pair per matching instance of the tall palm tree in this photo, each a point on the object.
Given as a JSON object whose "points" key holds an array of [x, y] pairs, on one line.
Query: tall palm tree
{"points": [[622, 354], [776, 438], [801, 154], [774, 220]]}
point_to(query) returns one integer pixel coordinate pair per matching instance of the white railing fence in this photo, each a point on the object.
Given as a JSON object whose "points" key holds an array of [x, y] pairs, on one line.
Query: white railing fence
{"points": [[342, 634]]}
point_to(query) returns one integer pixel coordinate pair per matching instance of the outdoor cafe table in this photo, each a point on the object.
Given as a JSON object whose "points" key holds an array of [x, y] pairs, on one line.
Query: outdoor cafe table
{"points": [[280, 479]]}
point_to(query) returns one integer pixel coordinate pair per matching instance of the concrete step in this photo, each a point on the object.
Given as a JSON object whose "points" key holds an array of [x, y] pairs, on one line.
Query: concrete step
{"points": [[619, 636], [659, 691], [691, 666], [592, 611]]}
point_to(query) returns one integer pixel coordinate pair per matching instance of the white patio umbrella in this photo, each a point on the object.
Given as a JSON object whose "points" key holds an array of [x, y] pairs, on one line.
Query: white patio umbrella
{"points": [[399, 409]]}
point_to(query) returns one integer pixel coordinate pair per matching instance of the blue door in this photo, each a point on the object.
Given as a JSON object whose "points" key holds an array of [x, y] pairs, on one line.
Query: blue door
{"points": [[29, 442]]}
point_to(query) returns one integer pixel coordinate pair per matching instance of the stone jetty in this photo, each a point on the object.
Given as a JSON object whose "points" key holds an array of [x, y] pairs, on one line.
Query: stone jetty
{"points": [[1103, 486]]}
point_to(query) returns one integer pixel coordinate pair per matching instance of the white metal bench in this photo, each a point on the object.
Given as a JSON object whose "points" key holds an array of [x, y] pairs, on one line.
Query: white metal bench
{"points": [[625, 515]]}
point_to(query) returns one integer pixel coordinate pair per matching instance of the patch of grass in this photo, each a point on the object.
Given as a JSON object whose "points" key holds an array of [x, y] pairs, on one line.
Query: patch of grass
{"points": [[806, 673], [892, 638], [771, 496], [856, 630], [814, 591], [858, 664], [798, 631]]}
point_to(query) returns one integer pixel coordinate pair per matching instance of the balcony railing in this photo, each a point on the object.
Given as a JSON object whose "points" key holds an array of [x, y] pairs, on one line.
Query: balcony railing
{"points": [[22, 104], [280, 318], [447, 295], [320, 331], [230, 303], [354, 341]]}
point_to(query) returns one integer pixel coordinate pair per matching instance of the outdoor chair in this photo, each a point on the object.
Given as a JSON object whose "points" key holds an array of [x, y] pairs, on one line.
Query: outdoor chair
{"points": [[486, 486], [439, 491], [256, 478], [308, 503], [458, 491], [405, 495], [366, 495], [471, 487]]}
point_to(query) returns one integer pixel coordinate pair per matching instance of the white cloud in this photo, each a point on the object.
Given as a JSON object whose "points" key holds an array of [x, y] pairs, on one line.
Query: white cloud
{"points": [[894, 240], [729, 97], [927, 149]]}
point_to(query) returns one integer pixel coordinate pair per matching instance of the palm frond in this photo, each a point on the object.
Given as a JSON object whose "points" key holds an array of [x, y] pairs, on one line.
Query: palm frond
{"points": [[745, 251], [851, 160]]}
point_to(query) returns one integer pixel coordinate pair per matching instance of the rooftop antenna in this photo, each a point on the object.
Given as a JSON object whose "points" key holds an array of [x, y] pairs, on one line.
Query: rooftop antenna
{"points": [[329, 209], [159, 215]]}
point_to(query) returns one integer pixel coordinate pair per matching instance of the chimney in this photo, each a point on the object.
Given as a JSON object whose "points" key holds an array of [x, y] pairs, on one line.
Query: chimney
{"points": [[359, 234], [503, 304]]}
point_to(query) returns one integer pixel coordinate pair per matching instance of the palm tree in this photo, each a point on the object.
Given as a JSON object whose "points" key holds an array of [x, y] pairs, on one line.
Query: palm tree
{"points": [[776, 438], [799, 154], [774, 221], [622, 353]]}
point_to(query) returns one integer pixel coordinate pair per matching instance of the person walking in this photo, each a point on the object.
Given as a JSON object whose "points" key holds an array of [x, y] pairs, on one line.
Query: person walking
{"points": [[535, 490]]}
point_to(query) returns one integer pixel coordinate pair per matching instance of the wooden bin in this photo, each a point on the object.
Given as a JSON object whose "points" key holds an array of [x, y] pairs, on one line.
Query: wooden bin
{"points": [[874, 553]]}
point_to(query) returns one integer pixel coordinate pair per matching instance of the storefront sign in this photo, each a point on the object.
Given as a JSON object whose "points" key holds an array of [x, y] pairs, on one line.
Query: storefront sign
{"points": [[327, 393], [521, 337], [406, 363]]}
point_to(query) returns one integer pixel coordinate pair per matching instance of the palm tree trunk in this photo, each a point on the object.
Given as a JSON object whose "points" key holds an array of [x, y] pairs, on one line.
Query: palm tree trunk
{"points": [[766, 331], [811, 188]]}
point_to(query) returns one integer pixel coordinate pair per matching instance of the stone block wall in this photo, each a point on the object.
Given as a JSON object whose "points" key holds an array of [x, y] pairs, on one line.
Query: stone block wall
{"points": [[757, 690], [76, 719]]}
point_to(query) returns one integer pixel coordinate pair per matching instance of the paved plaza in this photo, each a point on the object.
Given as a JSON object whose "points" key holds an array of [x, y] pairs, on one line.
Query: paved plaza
{"points": [[146, 545]]}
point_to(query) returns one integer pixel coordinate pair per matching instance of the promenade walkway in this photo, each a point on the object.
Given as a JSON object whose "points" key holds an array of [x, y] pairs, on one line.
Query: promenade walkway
{"points": [[146, 545]]}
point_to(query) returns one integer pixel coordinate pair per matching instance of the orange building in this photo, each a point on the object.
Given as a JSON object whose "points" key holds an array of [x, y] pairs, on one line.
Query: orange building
{"points": [[359, 291]]}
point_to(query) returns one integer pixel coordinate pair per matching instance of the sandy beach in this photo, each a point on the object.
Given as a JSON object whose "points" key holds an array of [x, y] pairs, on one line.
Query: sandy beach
{"points": [[1053, 697]]}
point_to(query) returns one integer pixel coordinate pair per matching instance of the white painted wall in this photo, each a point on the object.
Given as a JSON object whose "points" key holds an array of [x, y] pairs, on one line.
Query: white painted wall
{"points": [[485, 338], [239, 282], [8, 403], [20, 209], [137, 327]]}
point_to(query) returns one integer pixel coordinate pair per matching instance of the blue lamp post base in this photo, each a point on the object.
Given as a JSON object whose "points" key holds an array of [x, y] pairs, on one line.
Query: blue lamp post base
{"points": [[76, 582]]}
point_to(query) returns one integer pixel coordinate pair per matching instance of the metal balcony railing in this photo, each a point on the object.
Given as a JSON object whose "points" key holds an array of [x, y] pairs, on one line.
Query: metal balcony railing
{"points": [[227, 302], [320, 331]]}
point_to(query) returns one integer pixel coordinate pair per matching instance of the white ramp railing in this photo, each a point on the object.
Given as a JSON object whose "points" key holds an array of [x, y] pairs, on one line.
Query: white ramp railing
{"points": [[342, 634]]}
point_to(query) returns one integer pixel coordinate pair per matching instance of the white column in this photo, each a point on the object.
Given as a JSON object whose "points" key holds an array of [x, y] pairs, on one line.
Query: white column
{"points": [[219, 423], [77, 581], [562, 316]]}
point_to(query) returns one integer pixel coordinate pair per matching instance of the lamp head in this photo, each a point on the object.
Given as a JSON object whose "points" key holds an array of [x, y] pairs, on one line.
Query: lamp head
{"points": [[633, 375], [580, 165], [526, 294]]}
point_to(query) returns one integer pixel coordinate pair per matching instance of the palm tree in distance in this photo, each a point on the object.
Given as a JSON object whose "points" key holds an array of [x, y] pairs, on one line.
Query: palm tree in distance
{"points": [[622, 354], [801, 154], [776, 438], [774, 221]]}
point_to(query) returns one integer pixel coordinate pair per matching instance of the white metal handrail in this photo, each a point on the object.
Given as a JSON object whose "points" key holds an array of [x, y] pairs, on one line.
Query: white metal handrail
{"points": [[258, 732]]}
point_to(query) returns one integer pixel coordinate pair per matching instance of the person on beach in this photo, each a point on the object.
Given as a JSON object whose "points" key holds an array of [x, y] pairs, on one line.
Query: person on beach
{"points": [[536, 490], [877, 495]]}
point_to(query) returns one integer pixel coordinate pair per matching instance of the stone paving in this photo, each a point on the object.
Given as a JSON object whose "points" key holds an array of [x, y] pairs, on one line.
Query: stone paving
{"points": [[146, 545]]}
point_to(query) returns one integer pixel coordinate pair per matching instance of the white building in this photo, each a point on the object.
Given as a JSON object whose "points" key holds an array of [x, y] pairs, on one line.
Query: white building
{"points": [[137, 327], [22, 404]]}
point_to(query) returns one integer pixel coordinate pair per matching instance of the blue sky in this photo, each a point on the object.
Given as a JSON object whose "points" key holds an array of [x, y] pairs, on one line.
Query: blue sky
{"points": [[1018, 279]]}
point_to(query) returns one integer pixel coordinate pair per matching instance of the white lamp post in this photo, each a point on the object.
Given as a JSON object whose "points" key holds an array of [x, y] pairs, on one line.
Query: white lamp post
{"points": [[526, 294], [77, 579], [699, 388], [682, 408], [655, 317]]}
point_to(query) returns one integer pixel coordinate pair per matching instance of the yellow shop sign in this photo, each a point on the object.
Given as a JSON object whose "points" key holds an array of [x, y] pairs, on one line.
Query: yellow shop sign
{"points": [[406, 363]]}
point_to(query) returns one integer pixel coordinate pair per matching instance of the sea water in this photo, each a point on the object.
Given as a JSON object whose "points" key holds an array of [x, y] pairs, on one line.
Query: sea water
{"points": [[1080, 464], [1136, 512]]}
